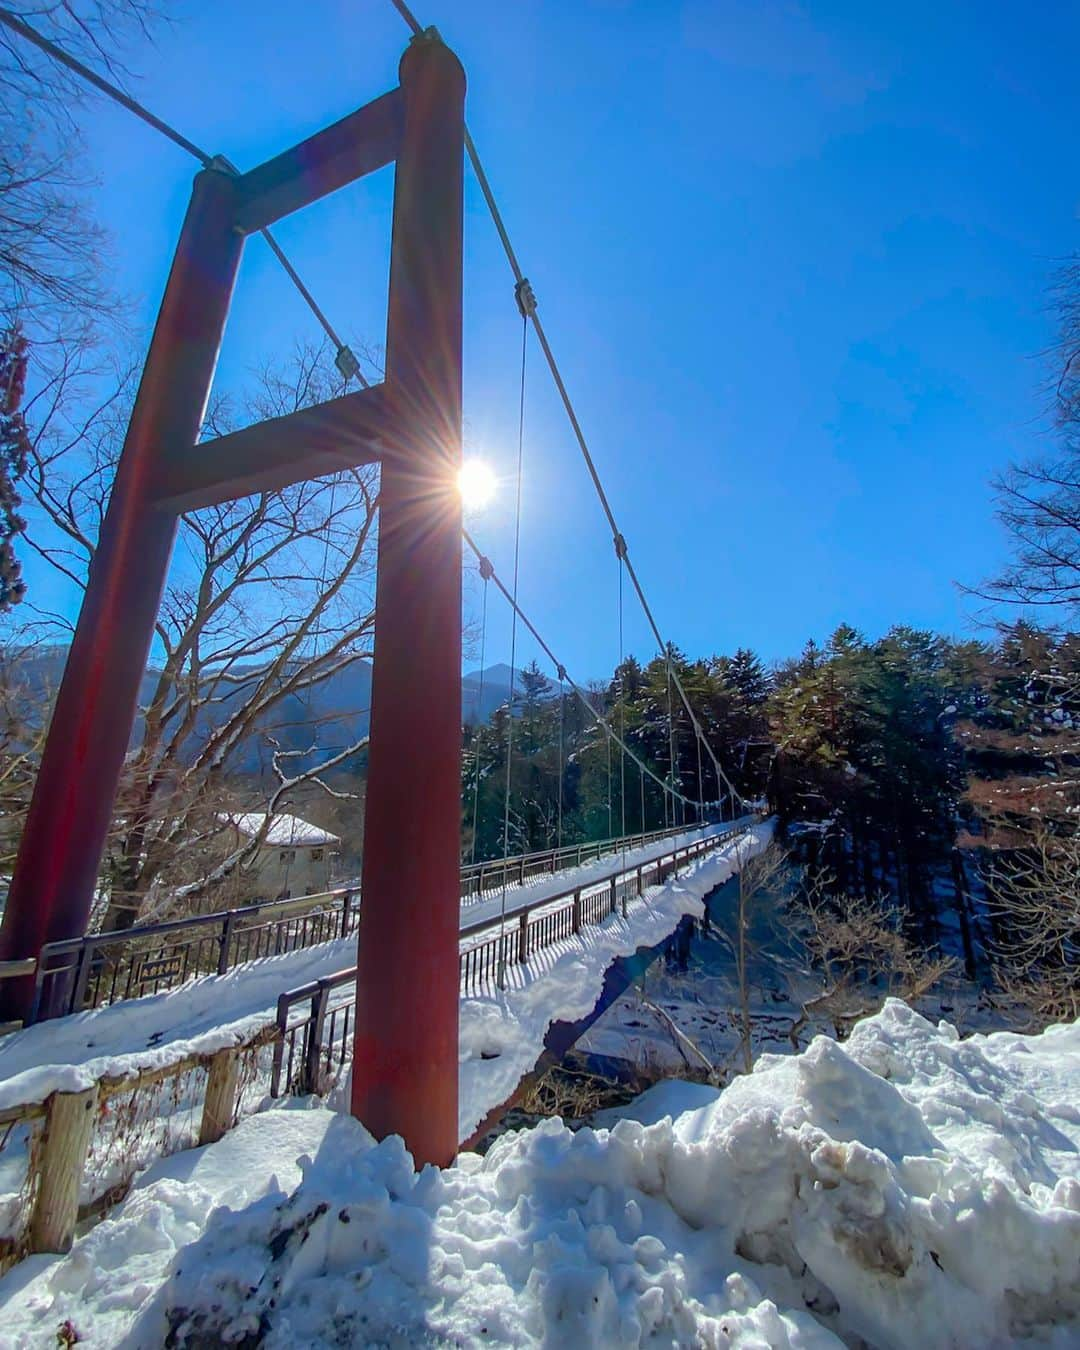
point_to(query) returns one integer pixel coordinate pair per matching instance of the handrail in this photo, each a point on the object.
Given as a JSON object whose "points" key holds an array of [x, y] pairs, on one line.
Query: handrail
{"points": [[304, 1068], [75, 973]]}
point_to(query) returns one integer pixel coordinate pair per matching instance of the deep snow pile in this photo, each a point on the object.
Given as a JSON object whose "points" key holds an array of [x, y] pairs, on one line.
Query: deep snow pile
{"points": [[908, 1188]]}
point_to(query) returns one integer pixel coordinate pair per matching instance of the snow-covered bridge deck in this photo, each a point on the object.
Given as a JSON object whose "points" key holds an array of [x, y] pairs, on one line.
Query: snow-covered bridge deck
{"points": [[149, 1062], [214, 1011]]}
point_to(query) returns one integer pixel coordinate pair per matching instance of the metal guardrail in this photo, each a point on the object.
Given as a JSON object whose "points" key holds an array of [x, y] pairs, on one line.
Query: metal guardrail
{"points": [[105, 968], [479, 877], [314, 1021], [102, 968]]}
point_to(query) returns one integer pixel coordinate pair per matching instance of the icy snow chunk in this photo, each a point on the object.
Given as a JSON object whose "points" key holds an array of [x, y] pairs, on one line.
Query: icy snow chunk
{"points": [[905, 1188]]}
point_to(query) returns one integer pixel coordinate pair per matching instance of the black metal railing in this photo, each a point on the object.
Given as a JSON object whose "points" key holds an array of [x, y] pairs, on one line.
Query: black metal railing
{"points": [[314, 1021], [107, 967], [103, 968], [476, 878]]}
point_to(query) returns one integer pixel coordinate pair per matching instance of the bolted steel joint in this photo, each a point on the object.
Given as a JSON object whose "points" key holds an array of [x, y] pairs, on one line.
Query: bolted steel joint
{"points": [[346, 362], [526, 299]]}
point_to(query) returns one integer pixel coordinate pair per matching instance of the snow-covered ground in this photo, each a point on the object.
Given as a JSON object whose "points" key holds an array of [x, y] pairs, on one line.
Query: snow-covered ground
{"points": [[904, 1189], [502, 1035]]}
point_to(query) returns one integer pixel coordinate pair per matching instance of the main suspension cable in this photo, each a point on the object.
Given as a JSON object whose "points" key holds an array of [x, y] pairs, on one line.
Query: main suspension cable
{"points": [[344, 358]]}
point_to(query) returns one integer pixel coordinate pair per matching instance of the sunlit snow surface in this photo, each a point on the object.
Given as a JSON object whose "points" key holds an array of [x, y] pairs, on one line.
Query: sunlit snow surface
{"points": [[907, 1187]]}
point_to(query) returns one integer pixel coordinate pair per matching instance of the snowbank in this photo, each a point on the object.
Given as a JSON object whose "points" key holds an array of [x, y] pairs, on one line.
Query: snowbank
{"points": [[908, 1188]]}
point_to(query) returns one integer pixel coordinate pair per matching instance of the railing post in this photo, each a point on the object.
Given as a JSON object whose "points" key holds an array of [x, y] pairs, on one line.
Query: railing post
{"points": [[624, 898], [614, 897], [219, 1104], [640, 888], [225, 941], [68, 1126], [523, 938], [346, 912], [279, 1044], [313, 1042], [521, 877], [577, 910]]}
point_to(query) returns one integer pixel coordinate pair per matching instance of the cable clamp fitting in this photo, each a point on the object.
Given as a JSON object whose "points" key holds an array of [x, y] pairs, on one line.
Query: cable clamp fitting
{"points": [[526, 299], [347, 363], [486, 569], [561, 672], [620, 547]]}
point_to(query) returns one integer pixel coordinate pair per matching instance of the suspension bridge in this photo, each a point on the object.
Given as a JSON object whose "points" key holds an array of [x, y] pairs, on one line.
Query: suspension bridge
{"points": [[413, 952]]}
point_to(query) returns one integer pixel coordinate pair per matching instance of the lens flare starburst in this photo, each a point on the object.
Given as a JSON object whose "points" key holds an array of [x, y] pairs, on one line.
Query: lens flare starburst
{"points": [[477, 484]]}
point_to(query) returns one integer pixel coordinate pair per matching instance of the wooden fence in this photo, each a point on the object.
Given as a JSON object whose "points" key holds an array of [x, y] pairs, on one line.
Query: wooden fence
{"points": [[59, 1131]]}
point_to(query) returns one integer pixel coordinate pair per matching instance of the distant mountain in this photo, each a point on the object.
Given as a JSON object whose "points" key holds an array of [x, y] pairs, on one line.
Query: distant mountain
{"points": [[326, 718], [484, 691]]}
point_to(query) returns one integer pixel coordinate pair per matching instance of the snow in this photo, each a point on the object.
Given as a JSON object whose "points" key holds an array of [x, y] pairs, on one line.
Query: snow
{"points": [[905, 1188], [502, 1034], [488, 904], [285, 831], [211, 1012], [204, 1015]]}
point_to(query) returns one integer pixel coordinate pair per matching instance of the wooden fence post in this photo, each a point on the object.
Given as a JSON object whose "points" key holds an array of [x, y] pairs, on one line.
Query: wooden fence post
{"points": [[219, 1105], [69, 1123]]}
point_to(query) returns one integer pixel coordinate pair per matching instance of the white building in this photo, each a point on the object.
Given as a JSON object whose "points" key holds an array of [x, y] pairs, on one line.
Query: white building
{"points": [[295, 858]]}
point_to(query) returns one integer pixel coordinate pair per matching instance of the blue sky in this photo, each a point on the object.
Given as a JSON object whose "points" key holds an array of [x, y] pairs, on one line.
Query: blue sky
{"points": [[792, 258]]}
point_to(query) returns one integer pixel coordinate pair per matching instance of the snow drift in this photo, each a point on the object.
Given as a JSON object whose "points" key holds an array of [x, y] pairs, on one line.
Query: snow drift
{"points": [[907, 1188]]}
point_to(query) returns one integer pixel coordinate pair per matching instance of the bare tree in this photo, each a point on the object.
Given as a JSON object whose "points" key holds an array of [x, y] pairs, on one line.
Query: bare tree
{"points": [[22, 736], [757, 877], [860, 956], [1039, 501], [1036, 900], [50, 246], [269, 597]]}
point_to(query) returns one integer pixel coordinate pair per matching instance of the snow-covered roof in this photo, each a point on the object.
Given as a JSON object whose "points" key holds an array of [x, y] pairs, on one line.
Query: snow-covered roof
{"points": [[285, 830]]}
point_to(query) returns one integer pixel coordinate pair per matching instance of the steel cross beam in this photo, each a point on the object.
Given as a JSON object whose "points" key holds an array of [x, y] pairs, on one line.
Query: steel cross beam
{"points": [[406, 1064]]}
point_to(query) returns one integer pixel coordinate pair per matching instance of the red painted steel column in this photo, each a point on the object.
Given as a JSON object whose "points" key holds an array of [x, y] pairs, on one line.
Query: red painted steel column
{"points": [[406, 1048], [66, 828]]}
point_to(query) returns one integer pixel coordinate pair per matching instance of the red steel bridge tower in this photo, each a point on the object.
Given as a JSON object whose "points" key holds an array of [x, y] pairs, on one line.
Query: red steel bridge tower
{"points": [[406, 1062]]}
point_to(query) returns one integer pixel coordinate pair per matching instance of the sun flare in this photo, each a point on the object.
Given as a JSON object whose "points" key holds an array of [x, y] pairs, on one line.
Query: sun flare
{"points": [[477, 484]]}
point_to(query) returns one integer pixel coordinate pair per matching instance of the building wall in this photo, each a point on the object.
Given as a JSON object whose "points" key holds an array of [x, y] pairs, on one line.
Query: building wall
{"points": [[278, 873]]}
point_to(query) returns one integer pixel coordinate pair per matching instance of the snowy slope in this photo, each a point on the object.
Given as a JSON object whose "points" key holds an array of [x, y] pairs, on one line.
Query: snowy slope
{"points": [[907, 1188]]}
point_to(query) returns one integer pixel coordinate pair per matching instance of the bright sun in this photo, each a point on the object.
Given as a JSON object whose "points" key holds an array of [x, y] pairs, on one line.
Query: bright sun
{"points": [[476, 483]]}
